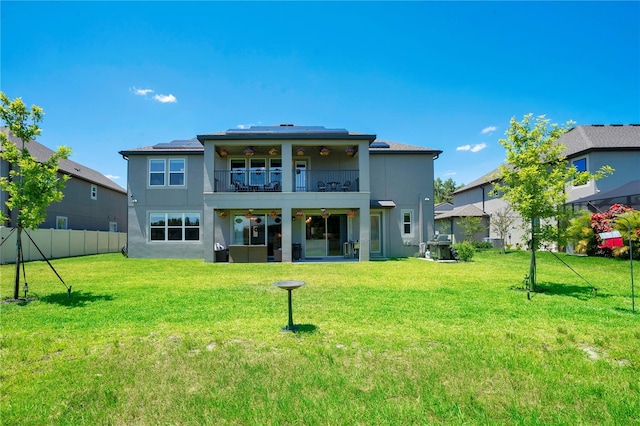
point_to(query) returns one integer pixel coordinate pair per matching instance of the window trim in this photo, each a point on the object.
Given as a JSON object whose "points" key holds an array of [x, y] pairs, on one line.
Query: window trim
{"points": [[166, 172], [65, 219], [94, 192], [586, 168], [403, 222], [166, 226]]}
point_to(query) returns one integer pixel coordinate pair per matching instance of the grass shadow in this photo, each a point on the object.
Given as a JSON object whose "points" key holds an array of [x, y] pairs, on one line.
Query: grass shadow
{"points": [[306, 328], [78, 299], [584, 292]]}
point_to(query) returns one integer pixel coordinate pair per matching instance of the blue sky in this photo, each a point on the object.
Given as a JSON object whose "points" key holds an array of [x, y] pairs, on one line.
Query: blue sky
{"points": [[446, 75]]}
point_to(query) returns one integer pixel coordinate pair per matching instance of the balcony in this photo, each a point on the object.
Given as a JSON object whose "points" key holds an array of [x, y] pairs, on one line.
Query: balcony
{"points": [[303, 181]]}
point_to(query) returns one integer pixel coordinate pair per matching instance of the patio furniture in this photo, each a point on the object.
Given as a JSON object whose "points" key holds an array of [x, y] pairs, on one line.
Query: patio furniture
{"points": [[247, 254], [346, 186], [334, 185], [240, 186], [321, 186]]}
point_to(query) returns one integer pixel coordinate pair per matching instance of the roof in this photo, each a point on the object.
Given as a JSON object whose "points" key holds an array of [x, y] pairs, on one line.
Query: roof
{"points": [[194, 145], [382, 204], [182, 146], [628, 189], [481, 181], [463, 211], [285, 131], [381, 146], [76, 170], [583, 139]]}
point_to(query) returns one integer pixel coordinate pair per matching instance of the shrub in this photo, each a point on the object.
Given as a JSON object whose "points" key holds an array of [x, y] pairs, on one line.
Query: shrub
{"points": [[482, 244], [465, 251]]}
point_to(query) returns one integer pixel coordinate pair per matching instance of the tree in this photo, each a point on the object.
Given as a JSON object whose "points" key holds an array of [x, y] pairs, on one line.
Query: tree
{"points": [[501, 222], [31, 185], [471, 225], [443, 190], [533, 178]]}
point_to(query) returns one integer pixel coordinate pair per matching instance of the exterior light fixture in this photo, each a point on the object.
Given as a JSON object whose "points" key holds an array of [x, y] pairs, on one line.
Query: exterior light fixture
{"points": [[222, 214], [223, 152], [350, 151], [299, 213], [351, 213], [273, 214], [273, 151], [299, 150], [325, 214], [249, 152], [324, 151], [248, 214]]}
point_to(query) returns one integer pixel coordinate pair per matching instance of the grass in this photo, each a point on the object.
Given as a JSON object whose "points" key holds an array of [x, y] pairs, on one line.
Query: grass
{"points": [[406, 341]]}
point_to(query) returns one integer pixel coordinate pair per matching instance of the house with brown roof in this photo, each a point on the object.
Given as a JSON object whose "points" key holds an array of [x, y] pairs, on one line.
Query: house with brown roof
{"points": [[588, 148], [91, 201], [279, 193]]}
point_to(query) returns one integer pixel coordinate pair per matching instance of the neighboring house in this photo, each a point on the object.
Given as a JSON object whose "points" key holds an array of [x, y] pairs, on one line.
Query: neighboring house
{"points": [[587, 148], [279, 193], [91, 200]]}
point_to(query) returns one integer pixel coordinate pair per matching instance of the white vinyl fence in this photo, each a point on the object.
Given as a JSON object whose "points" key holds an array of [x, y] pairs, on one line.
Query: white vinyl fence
{"points": [[58, 243]]}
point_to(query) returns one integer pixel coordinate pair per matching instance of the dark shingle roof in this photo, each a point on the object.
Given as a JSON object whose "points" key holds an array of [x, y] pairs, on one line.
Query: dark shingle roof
{"points": [[378, 147], [583, 139], [285, 131], [462, 211], [76, 170]]}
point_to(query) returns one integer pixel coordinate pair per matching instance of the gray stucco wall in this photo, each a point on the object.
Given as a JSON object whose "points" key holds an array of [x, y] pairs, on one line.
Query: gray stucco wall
{"points": [[187, 199], [406, 179]]}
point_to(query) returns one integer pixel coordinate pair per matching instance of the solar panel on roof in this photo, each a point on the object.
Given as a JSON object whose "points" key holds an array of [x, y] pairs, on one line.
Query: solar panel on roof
{"points": [[190, 143], [379, 144]]}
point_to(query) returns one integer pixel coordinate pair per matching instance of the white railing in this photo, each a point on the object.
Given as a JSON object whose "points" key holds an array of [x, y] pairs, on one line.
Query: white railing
{"points": [[59, 243]]}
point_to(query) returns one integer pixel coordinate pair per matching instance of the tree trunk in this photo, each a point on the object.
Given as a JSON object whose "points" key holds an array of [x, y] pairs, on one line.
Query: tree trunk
{"points": [[532, 265], [16, 289]]}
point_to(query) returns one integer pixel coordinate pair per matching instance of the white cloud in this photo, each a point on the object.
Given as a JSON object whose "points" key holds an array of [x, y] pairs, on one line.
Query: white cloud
{"points": [[449, 173], [141, 92], [473, 148], [489, 130], [112, 177], [165, 99]]}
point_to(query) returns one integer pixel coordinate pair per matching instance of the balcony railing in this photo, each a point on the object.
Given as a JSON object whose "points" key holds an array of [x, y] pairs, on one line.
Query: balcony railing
{"points": [[271, 181]]}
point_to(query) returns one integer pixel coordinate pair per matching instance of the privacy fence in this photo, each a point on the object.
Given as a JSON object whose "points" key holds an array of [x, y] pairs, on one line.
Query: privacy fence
{"points": [[58, 243]]}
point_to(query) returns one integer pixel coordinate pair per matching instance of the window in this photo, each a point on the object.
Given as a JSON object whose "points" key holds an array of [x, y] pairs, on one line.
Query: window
{"points": [[176, 172], [61, 222], [580, 164], [158, 172], [407, 226], [174, 227], [113, 226], [94, 192]]}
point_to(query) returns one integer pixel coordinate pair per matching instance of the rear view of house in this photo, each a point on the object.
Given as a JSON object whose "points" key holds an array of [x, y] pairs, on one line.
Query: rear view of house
{"points": [[279, 193]]}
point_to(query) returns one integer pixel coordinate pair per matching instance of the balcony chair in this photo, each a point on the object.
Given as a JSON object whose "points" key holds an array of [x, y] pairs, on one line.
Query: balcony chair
{"points": [[321, 186], [346, 186], [240, 186]]}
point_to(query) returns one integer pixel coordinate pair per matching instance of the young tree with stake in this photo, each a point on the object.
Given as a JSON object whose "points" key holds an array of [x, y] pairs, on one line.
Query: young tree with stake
{"points": [[31, 185], [533, 178]]}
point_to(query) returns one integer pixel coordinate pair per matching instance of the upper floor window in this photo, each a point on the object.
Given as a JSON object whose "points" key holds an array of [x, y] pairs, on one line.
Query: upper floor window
{"points": [[171, 171], [407, 222], [94, 192], [580, 164]]}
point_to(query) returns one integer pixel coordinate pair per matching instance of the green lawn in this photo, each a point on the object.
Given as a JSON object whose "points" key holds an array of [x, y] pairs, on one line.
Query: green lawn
{"points": [[182, 342]]}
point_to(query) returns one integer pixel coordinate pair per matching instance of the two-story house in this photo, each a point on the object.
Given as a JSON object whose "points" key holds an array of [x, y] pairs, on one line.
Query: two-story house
{"points": [[279, 193], [91, 201], [587, 148]]}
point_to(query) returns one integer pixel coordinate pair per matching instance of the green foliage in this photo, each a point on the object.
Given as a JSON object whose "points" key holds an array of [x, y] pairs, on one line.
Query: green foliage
{"points": [[471, 225], [465, 251], [535, 172], [482, 245], [443, 190], [402, 341], [31, 185], [583, 231]]}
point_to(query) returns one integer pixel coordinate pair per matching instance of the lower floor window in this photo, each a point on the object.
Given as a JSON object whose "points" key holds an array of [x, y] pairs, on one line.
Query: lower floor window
{"points": [[174, 226]]}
